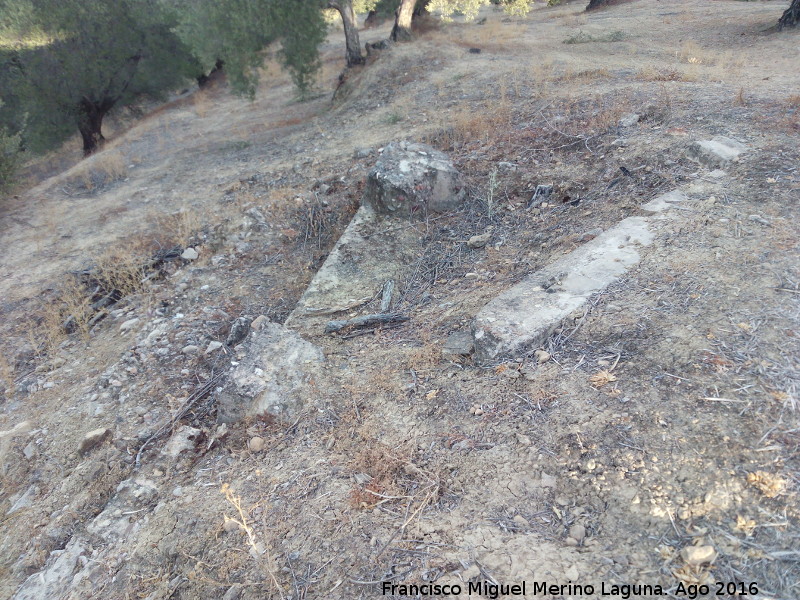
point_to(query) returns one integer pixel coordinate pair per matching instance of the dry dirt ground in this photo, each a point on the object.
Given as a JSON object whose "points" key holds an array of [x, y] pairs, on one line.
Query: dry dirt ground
{"points": [[664, 421]]}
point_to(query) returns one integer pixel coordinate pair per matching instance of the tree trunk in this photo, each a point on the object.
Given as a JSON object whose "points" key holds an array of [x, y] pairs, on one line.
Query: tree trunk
{"points": [[203, 80], [596, 4], [353, 52], [90, 124], [402, 21], [791, 17]]}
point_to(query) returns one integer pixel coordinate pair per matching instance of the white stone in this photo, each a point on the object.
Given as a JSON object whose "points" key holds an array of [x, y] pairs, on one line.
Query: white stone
{"points": [[213, 346], [190, 254], [716, 152], [273, 377], [525, 315], [129, 324]]}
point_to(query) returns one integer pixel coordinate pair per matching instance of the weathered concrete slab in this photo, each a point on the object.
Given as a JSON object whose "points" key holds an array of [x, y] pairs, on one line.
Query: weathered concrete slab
{"points": [[411, 180], [522, 318], [664, 202], [716, 152], [372, 250], [273, 376]]}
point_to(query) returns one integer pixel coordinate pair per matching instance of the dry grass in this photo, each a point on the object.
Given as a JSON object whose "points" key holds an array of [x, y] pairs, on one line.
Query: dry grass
{"points": [[653, 73], [177, 228], [99, 171], [202, 103]]}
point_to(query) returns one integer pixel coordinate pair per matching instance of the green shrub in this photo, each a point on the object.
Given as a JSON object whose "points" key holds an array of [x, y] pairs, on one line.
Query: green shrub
{"points": [[10, 157]]}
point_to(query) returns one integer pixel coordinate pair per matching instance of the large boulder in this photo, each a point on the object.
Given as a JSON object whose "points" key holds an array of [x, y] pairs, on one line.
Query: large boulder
{"points": [[413, 180], [274, 376]]}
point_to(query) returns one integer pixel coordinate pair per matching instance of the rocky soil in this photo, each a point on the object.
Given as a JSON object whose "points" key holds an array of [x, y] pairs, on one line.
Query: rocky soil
{"points": [[650, 440]]}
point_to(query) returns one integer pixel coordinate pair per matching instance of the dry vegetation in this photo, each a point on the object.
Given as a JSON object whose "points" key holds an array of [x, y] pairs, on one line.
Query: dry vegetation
{"points": [[661, 418]]}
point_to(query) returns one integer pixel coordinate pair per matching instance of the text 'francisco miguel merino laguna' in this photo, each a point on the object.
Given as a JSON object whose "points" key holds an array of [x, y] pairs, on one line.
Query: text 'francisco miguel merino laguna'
{"points": [[535, 588]]}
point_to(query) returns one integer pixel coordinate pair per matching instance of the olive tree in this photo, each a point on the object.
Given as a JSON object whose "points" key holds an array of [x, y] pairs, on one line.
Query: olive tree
{"points": [[79, 59], [791, 17]]}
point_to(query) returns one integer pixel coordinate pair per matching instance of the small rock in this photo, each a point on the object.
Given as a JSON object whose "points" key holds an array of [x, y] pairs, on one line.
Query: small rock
{"points": [[542, 356], [698, 555], [521, 521], [29, 451], [459, 343], [189, 254], [190, 349], [93, 439], [239, 330], [479, 241], [213, 346], [629, 120], [233, 593], [18, 502], [129, 324], [256, 444], [184, 439], [572, 573], [759, 219], [542, 193], [577, 532], [258, 323]]}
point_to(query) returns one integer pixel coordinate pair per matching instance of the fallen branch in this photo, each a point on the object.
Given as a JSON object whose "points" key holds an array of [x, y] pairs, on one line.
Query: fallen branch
{"points": [[364, 321]]}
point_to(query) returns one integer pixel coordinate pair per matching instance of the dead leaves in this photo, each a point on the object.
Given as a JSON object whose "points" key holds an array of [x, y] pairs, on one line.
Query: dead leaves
{"points": [[767, 483], [602, 378]]}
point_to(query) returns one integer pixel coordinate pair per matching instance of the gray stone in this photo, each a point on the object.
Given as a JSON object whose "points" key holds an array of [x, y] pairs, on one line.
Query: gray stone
{"points": [[664, 202], [55, 580], [413, 180], [717, 152], [190, 254], [190, 349], [629, 120], [274, 377], [129, 324], [577, 532], [541, 194], [459, 343], [239, 330], [212, 346], [20, 501], [93, 439], [233, 592], [525, 315], [479, 241], [183, 440], [371, 250], [29, 451]]}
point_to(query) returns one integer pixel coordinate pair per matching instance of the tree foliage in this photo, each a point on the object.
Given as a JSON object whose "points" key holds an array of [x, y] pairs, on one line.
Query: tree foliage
{"points": [[10, 147], [238, 32], [79, 59]]}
